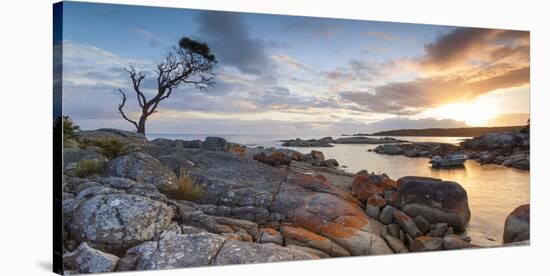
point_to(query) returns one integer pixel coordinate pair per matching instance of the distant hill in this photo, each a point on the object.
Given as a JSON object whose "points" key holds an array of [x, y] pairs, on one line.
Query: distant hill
{"points": [[449, 132]]}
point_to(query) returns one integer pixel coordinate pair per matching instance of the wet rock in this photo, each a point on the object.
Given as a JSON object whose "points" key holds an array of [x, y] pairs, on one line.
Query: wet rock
{"points": [[425, 243], [389, 149], [435, 200], [329, 163], [88, 260], [140, 165], [406, 223], [386, 216], [173, 251], [517, 225], [233, 252], [315, 154], [270, 235]]}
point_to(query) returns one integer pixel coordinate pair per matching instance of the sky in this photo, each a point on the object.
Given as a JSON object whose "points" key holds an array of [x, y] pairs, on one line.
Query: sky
{"points": [[290, 75]]}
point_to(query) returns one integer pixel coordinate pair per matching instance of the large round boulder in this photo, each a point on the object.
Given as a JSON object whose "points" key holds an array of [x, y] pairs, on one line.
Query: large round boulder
{"points": [[516, 227], [435, 200], [112, 221]]}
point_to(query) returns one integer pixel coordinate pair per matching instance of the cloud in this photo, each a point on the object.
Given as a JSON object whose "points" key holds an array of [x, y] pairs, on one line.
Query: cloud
{"points": [[509, 119], [227, 35], [284, 59], [380, 35], [466, 47], [458, 66], [408, 98]]}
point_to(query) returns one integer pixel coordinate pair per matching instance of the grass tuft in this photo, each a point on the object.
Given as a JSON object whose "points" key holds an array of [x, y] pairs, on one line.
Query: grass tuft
{"points": [[187, 188], [88, 167], [109, 147]]}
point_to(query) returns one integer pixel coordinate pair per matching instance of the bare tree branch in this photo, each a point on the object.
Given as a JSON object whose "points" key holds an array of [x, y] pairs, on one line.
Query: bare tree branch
{"points": [[121, 105]]}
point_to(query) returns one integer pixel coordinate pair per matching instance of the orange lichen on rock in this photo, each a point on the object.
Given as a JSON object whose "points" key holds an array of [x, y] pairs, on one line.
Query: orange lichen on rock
{"points": [[300, 234], [352, 221], [376, 200], [237, 149], [388, 184]]}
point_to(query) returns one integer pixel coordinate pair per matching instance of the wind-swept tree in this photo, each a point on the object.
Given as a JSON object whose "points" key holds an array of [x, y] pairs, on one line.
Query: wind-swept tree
{"points": [[191, 63]]}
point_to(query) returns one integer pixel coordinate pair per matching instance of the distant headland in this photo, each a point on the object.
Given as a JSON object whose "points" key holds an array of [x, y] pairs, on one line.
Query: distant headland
{"points": [[443, 132]]}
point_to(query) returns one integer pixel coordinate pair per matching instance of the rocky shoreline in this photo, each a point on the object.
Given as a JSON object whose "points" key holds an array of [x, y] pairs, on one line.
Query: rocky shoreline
{"points": [[328, 141], [256, 205], [511, 149]]}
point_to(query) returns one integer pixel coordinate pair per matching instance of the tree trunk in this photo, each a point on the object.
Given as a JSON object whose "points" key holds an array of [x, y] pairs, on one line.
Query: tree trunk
{"points": [[141, 124]]}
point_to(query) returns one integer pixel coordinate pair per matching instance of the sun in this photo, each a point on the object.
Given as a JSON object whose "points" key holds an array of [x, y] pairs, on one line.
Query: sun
{"points": [[472, 113]]}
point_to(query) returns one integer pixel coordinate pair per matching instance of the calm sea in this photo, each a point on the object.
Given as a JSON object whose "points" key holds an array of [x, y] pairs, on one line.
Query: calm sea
{"points": [[493, 191]]}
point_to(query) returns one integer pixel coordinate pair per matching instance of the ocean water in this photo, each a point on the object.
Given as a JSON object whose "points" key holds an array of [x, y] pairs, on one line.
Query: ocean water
{"points": [[493, 191]]}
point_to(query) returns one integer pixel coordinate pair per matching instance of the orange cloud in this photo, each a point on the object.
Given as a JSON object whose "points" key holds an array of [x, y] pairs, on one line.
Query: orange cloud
{"points": [[458, 66]]}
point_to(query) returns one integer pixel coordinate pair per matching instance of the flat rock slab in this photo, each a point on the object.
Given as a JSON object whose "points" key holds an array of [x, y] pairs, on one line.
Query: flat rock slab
{"points": [[173, 251], [234, 252]]}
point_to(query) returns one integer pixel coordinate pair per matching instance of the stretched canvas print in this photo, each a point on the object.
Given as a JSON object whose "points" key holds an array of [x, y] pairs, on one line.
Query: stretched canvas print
{"points": [[189, 138]]}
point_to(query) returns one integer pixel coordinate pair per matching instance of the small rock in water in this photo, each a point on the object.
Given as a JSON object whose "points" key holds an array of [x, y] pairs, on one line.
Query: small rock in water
{"points": [[315, 154]]}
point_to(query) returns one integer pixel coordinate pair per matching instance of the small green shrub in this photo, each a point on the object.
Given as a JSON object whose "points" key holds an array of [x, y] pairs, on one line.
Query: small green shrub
{"points": [[109, 147], [70, 129], [187, 189], [88, 167]]}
